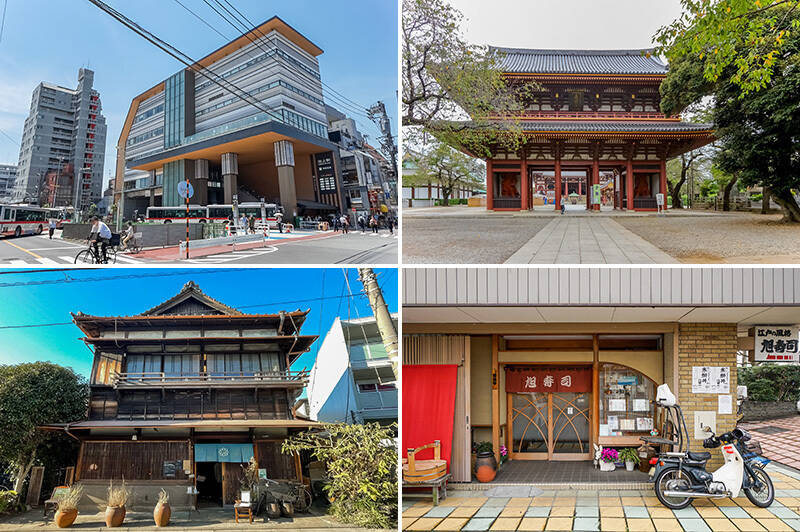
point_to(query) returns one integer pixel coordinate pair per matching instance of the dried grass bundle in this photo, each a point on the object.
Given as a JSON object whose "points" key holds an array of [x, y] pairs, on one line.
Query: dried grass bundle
{"points": [[69, 500], [118, 496]]}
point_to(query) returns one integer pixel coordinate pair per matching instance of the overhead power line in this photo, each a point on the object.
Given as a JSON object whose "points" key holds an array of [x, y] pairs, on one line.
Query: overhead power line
{"points": [[201, 19]]}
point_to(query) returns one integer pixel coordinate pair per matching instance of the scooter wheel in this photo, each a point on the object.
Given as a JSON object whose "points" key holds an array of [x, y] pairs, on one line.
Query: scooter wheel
{"points": [[766, 495], [660, 483]]}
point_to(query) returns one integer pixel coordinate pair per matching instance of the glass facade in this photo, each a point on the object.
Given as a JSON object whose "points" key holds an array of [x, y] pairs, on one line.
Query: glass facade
{"points": [[174, 109], [173, 174], [626, 402]]}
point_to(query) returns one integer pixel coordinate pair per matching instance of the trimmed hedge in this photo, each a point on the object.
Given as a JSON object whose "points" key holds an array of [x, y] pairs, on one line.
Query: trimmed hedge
{"points": [[771, 382]]}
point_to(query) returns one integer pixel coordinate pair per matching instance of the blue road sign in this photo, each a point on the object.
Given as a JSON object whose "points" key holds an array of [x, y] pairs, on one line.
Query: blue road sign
{"points": [[185, 189]]}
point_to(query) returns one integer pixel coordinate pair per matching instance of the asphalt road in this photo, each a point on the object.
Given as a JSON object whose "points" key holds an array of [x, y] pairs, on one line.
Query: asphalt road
{"points": [[354, 248]]}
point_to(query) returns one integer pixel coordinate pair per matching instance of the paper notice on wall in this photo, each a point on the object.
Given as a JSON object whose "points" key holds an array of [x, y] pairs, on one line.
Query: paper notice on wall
{"points": [[640, 405], [603, 429], [644, 423], [725, 404], [616, 405], [711, 379], [627, 424], [613, 422]]}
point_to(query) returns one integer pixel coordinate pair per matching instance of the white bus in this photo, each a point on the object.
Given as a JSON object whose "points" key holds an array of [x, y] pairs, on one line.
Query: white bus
{"points": [[21, 220], [223, 213], [168, 215], [211, 213]]}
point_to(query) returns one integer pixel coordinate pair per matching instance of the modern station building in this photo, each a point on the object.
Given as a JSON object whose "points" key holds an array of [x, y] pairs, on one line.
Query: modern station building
{"points": [[8, 175], [550, 361], [593, 119], [185, 393], [353, 379], [63, 146], [188, 127]]}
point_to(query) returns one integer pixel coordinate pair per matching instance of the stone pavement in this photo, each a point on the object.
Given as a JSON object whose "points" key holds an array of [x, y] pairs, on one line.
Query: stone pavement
{"points": [[783, 446], [608, 510], [584, 240], [205, 519]]}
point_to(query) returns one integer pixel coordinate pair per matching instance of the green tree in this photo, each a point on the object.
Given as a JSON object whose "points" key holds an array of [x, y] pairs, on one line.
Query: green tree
{"points": [[757, 131], [450, 169], [361, 464], [739, 40], [31, 395]]}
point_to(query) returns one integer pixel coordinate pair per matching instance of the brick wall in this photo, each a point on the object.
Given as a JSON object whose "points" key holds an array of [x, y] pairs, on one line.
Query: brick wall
{"points": [[706, 344]]}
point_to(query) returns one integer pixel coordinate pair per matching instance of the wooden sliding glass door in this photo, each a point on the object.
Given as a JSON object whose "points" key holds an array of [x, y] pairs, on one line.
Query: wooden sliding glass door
{"points": [[550, 426]]}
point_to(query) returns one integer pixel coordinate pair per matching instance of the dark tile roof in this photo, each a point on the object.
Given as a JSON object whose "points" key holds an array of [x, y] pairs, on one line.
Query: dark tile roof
{"points": [[526, 60], [599, 126]]}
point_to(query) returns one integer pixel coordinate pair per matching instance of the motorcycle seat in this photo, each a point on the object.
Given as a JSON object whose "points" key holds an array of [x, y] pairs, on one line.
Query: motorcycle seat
{"points": [[698, 457]]}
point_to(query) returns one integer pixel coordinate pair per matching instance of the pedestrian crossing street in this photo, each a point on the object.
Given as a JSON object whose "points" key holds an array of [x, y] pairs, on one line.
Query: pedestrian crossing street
{"points": [[58, 261]]}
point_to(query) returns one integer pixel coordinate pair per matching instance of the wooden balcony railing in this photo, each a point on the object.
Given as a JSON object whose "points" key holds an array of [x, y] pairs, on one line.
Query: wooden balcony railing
{"points": [[258, 379]]}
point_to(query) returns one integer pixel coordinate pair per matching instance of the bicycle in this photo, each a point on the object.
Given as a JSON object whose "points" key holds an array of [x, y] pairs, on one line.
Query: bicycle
{"points": [[92, 255], [135, 245]]}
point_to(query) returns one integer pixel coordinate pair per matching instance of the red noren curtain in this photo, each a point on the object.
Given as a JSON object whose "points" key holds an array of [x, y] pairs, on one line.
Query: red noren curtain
{"points": [[429, 403]]}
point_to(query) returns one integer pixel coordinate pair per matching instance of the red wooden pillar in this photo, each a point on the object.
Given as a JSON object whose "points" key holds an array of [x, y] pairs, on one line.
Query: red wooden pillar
{"points": [[489, 186], [662, 180], [524, 183], [558, 189], [595, 180], [629, 184]]}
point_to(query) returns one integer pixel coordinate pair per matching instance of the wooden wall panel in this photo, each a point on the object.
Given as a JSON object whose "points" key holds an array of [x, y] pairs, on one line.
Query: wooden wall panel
{"points": [[131, 460], [277, 464], [232, 474]]}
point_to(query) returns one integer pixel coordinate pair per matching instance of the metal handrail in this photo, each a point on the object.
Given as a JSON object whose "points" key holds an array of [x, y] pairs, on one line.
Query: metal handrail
{"points": [[160, 377]]}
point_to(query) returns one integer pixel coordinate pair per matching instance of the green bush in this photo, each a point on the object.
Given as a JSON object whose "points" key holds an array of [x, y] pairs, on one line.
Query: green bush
{"points": [[756, 197], [9, 502], [362, 468], [771, 382]]}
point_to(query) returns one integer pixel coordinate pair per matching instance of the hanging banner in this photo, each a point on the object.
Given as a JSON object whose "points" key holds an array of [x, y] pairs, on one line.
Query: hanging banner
{"points": [[527, 379], [776, 343]]}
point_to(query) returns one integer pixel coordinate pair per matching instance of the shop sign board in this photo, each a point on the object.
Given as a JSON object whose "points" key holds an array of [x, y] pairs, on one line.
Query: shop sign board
{"points": [[711, 379], [527, 379], [776, 343], [596, 193]]}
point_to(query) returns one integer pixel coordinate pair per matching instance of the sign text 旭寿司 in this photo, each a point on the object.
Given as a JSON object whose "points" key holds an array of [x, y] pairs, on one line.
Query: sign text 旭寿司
{"points": [[777, 343], [527, 379]]}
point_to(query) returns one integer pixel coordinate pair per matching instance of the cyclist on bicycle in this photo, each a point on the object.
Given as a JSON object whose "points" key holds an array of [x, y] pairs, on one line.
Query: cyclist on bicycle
{"points": [[100, 234], [127, 236]]}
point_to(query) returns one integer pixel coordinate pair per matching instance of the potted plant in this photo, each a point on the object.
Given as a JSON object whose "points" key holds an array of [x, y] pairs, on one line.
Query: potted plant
{"points": [[162, 511], [503, 454], [485, 464], [630, 456], [607, 459], [115, 505], [67, 509]]}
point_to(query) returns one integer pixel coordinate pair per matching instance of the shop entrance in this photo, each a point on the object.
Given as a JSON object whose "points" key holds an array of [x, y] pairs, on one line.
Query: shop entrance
{"points": [[551, 426]]}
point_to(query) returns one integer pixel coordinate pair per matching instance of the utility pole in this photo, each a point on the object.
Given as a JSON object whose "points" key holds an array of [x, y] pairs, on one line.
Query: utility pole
{"points": [[382, 317], [377, 113]]}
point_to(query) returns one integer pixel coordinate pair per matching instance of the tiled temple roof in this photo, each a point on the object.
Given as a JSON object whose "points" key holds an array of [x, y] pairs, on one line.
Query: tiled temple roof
{"points": [[593, 126], [526, 60]]}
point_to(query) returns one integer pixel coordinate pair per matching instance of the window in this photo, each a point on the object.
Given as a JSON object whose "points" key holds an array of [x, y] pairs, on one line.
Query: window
{"points": [[366, 388], [626, 407], [576, 101], [270, 362], [182, 365]]}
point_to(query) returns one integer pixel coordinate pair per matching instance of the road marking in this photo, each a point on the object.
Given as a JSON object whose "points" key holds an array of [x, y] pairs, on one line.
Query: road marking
{"points": [[68, 260], [22, 249], [120, 258], [53, 249], [17, 262], [45, 260]]}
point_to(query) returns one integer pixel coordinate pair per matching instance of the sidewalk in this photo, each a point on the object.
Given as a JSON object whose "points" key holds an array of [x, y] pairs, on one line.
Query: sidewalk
{"points": [[569, 240], [606, 510], [780, 439]]}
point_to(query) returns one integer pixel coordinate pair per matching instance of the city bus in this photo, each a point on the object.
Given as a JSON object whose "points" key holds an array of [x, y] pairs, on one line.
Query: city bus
{"points": [[223, 213], [168, 215], [21, 220]]}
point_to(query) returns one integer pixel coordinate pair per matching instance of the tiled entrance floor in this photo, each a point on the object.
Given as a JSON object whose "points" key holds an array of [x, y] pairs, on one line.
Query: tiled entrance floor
{"points": [[782, 446], [608, 509], [544, 472]]}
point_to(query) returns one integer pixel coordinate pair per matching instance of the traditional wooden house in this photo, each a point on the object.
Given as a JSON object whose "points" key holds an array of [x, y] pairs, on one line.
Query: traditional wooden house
{"points": [[592, 112], [186, 393]]}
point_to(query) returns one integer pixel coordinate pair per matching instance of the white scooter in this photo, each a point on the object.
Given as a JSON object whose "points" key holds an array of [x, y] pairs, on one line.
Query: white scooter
{"points": [[681, 476]]}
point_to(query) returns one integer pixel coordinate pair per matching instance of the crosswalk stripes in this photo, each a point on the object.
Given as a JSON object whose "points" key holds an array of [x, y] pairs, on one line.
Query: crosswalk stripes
{"points": [[55, 261]]}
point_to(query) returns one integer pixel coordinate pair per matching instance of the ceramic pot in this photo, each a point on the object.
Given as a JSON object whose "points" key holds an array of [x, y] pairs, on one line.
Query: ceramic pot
{"points": [[115, 515], [273, 510], [287, 509], [65, 518], [485, 467], [161, 514], [630, 465], [607, 466]]}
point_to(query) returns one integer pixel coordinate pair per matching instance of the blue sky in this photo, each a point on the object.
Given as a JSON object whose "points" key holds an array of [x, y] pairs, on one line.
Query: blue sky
{"points": [[36, 298], [49, 40]]}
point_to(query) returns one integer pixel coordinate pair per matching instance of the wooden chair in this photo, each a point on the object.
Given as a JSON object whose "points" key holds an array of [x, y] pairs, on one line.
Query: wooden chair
{"points": [[52, 502], [242, 508]]}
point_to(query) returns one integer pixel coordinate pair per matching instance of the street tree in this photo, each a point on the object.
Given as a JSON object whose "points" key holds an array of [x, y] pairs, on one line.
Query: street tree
{"points": [[757, 130], [444, 75], [31, 395], [450, 169], [738, 40]]}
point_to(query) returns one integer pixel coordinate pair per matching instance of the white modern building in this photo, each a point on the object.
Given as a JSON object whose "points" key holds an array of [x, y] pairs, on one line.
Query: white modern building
{"points": [[8, 174], [353, 379], [63, 146], [195, 125]]}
